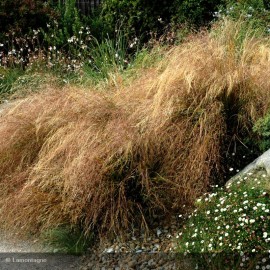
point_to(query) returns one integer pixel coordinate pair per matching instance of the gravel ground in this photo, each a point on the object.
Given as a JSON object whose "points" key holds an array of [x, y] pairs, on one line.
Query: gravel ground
{"points": [[156, 250]]}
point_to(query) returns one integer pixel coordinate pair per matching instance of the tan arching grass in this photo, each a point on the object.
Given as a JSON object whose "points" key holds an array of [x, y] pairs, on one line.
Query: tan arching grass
{"points": [[110, 159]]}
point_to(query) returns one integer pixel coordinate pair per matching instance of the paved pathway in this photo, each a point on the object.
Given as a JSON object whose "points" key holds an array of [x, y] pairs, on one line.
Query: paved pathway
{"points": [[18, 254], [38, 261]]}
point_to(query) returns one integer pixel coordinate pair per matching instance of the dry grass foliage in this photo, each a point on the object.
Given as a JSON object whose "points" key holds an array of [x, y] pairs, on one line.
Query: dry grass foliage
{"points": [[103, 159]]}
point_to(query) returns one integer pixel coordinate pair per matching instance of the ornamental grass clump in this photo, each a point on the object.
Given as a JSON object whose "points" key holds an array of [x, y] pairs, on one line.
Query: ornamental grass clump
{"points": [[111, 159]]}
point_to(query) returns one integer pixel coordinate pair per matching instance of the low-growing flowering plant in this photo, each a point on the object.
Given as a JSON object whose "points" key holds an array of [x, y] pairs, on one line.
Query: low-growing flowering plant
{"points": [[231, 220]]}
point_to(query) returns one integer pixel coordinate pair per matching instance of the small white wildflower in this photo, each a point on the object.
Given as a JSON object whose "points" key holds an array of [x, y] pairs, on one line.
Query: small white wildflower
{"points": [[159, 232], [264, 234], [109, 250]]}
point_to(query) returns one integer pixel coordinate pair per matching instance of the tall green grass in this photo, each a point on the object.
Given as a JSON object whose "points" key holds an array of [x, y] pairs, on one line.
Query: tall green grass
{"points": [[7, 78], [66, 240]]}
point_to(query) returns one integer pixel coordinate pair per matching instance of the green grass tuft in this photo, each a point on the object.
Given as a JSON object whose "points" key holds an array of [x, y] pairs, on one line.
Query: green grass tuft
{"points": [[67, 240]]}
